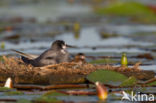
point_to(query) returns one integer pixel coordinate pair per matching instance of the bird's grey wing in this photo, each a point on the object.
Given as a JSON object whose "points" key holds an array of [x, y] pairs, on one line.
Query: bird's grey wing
{"points": [[29, 56], [47, 58]]}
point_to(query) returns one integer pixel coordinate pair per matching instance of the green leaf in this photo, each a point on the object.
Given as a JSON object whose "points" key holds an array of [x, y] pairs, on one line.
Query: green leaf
{"points": [[152, 84], [47, 99], [137, 10], [54, 93], [107, 77], [23, 101], [50, 97], [14, 93], [103, 61], [126, 9], [2, 45], [3, 89], [129, 82]]}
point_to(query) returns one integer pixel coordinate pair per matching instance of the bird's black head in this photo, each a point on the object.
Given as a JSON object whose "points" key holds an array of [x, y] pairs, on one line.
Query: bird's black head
{"points": [[58, 44], [81, 54]]}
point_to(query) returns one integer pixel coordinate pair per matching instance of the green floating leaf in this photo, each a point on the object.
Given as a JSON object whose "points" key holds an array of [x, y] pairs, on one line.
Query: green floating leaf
{"points": [[107, 77], [103, 61], [126, 9], [3, 89], [14, 93], [50, 97], [54, 93], [47, 99], [23, 101], [129, 82], [152, 84]]}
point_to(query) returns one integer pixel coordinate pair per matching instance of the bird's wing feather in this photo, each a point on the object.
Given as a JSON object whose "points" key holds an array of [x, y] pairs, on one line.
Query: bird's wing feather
{"points": [[48, 53], [29, 56], [46, 58]]}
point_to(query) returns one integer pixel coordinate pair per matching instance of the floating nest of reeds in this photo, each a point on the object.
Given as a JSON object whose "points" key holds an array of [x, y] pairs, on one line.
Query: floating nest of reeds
{"points": [[60, 73]]}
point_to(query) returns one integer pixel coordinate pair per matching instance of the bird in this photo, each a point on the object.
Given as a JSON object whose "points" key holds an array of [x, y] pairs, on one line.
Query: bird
{"points": [[79, 58], [57, 53]]}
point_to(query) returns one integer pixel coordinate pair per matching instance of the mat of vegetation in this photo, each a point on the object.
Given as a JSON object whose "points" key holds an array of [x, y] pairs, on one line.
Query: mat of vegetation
{"points": [[61, 73]]}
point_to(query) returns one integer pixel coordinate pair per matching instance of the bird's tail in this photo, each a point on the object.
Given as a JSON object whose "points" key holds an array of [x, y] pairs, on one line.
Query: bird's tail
{"points": [[26, 60], [25, 55]]}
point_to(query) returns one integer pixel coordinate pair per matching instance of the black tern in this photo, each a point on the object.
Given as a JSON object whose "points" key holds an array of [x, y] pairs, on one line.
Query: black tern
{"points": [[56, 54], [80, 58]]}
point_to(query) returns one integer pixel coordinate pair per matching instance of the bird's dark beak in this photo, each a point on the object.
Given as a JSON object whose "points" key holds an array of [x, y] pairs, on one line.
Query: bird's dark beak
{"points": [[71, 46]]}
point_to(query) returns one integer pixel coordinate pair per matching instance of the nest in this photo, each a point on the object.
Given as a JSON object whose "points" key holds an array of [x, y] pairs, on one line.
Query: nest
{"points": [[71, 72]]}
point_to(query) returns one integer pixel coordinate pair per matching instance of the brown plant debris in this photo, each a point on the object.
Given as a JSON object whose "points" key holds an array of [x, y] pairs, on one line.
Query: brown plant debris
{"points": [[60, 73], [145, 55]]}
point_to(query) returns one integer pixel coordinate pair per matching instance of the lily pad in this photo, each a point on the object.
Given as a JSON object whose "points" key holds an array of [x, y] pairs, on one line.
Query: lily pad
{"points": [[103, 61], [126, 9], [129, 82], [47, 99], [14, 93], [139, 12], [54, 93], [107, 77], [23, 101], [50, 97], [152, 84], [108, 35], [3, 89]]}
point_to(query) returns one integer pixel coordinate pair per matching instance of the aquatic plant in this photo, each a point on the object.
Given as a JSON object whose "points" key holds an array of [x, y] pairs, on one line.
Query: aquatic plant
{"points": [[106, 77], [124, 60], [102, 91], [14, 93], [46, 99], [126, 9], [2, 45], [137, 11], [8, 83], [76, 27], [61, 73], [131, 81], [104, 61], [3, 89]]}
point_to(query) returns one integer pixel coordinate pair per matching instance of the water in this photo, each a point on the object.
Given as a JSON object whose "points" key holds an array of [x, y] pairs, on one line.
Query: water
{"points": [[94, 41], [89, 41], [43, 11]]}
